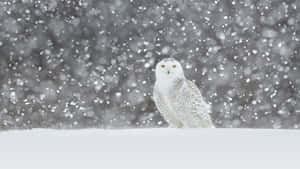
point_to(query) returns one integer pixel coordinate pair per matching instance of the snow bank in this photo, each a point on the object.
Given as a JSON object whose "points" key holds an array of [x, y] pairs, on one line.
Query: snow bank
{"points": [[150, 148]]}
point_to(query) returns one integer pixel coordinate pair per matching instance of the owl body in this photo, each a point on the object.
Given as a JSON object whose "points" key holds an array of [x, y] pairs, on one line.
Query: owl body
{"points": [[179, 100]]}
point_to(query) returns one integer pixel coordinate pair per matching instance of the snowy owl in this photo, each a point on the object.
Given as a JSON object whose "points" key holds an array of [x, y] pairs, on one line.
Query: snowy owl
{"points": [[178, 99]]}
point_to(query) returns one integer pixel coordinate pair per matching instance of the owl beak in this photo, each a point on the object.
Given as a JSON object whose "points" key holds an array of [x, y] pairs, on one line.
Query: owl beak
{"points": [[168, 72]]}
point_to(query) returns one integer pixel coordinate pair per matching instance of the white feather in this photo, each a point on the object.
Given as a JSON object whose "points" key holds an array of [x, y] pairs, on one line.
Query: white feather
{"points": [[179, 100]]}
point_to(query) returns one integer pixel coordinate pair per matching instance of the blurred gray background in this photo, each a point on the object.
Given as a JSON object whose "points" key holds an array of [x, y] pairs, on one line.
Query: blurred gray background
{"points": [[90, 63]]}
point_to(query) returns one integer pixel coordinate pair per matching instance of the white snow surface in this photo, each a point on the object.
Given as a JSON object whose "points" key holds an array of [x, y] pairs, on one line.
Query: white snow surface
{"points": [[150, 148]]}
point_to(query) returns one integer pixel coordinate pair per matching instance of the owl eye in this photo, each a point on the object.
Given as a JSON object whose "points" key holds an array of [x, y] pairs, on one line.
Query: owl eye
{"points": [[174, 66], [163, 66]]}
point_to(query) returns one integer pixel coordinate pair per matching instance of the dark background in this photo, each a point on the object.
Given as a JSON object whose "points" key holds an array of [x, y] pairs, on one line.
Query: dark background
{"points": [[90, 63]]}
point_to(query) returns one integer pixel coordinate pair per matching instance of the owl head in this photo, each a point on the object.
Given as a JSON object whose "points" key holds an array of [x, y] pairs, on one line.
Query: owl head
{"points": [[169, 69]]}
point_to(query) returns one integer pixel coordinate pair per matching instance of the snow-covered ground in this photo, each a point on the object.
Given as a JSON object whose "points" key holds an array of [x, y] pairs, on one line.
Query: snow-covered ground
{"points": [[150, 148]]}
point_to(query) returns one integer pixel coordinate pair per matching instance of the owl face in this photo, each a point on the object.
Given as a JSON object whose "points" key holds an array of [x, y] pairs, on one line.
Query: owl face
{"points": [[169, 69]]}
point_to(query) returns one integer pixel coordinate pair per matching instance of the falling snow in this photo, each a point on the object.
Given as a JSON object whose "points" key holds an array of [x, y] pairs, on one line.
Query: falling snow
{"points": [[88, 63]]}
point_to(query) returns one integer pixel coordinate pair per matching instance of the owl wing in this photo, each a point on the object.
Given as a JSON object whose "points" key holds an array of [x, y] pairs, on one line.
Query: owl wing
{"points": [[164, 109], [199, 107]]}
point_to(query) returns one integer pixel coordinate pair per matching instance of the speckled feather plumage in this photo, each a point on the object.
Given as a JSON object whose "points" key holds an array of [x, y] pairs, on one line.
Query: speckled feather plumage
{"points": [[182, 105]]}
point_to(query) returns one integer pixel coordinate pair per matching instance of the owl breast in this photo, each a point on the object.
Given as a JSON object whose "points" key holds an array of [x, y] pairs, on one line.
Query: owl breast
{"points": [[187, 107], [181, 101]]}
